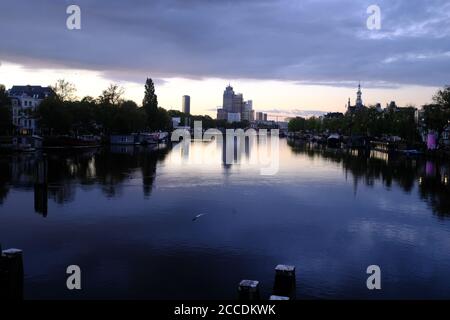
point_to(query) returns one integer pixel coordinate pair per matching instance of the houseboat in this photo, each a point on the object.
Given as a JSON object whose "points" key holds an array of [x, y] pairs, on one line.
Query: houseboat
{"points": [[125, 139], [27, 143], [72, 141], [334, 141]]}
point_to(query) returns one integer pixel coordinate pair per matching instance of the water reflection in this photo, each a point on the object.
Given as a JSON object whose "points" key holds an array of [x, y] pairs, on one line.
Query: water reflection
{"points": [[112, 169], [431, 177], [56, 175], [126, 215]]}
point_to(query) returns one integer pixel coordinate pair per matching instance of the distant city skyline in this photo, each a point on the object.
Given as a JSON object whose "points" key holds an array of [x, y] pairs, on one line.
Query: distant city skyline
{"points": [[282, 98]]}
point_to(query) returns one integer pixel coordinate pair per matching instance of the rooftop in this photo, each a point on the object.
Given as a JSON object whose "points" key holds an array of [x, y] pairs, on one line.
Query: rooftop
{"points": [[31, 91]]}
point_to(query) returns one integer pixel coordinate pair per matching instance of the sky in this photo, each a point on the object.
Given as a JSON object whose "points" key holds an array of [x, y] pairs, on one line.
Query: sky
{"points": [[289, 57]]}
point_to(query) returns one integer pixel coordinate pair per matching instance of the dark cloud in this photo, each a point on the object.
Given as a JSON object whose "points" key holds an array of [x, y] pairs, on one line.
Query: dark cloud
{"points": [[309, 41]]}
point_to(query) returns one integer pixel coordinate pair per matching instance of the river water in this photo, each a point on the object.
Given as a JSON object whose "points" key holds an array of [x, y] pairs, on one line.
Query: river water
{"points": [[183, 223]]}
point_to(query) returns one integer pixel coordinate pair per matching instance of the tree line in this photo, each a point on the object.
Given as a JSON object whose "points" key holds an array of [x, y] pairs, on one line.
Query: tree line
{"points": [[107, 114], [369, 121], [110, 113]]}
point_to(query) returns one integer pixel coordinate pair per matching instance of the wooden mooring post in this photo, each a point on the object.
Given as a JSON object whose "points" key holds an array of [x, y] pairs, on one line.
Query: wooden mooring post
{"points": [[285, 283], [278, 298], [248, 290], [11, 274], [41, 186]]}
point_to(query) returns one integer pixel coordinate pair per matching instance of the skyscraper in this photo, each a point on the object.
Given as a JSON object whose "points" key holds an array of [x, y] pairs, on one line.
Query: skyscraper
{"points": [[238, 102], [234, 107], [186, 104], [228, 96], [247, 112]]}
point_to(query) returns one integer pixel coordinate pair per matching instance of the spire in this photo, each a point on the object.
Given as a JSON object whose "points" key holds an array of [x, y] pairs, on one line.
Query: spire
{"points": [[359, 102]]}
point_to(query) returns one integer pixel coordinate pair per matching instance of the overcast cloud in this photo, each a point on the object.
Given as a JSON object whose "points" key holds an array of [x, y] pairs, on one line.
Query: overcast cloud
{"points": [[310, 42]]}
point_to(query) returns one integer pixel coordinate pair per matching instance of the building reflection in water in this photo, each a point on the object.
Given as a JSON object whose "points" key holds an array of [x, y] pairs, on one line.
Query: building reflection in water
{"points": [[429, 177], [41, 185], [55, 175]]}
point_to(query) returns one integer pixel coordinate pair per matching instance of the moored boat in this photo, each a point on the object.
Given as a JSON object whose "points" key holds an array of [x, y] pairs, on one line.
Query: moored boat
{"points": [[334, 141], [72, 141]]}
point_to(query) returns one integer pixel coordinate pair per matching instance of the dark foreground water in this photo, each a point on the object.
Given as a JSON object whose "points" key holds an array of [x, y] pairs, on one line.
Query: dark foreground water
{"points": [[126, 216]]}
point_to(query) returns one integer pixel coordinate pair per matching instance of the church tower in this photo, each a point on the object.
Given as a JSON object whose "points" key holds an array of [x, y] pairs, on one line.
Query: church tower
{"points": [[359, 102]]}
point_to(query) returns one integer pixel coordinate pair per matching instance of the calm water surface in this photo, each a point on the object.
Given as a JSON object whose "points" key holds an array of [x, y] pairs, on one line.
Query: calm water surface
{"points": [[126, 216]]}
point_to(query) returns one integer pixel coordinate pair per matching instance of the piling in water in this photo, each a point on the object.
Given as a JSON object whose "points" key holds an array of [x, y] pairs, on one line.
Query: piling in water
{"points": [[285, 282], [41, 186], [279, 298], [11, 274], [41, 173], [248, 290]]}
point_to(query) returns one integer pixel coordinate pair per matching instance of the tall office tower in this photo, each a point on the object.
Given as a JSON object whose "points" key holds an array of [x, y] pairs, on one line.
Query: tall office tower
{"points": [[248, 105], [238, 103], [247, 112], [186, 104], [228, 95], [232, 104]]}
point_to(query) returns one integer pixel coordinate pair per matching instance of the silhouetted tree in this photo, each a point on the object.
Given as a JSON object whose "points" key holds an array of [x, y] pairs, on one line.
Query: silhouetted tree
{"points": [[64, 90], [442, 97], [435, 117], [5, 112], [129, 118], [297, 124], [54, 116], [112, 95], [150, 104]]}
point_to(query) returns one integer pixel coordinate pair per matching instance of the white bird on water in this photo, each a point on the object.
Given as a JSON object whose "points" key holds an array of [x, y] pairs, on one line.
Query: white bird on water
{"points": [[198, 216]]}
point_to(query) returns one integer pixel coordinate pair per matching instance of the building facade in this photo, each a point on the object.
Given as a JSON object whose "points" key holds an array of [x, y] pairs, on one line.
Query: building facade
{"points": [[392, 107], [234, 105], [25, 100], [248, 114], [186, 104], [259, 116], [233, 117], [222, 114], [358, 104]]}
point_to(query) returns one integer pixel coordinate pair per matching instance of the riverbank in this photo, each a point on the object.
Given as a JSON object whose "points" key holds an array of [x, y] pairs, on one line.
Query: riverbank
{"points": [[390, 145]]}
